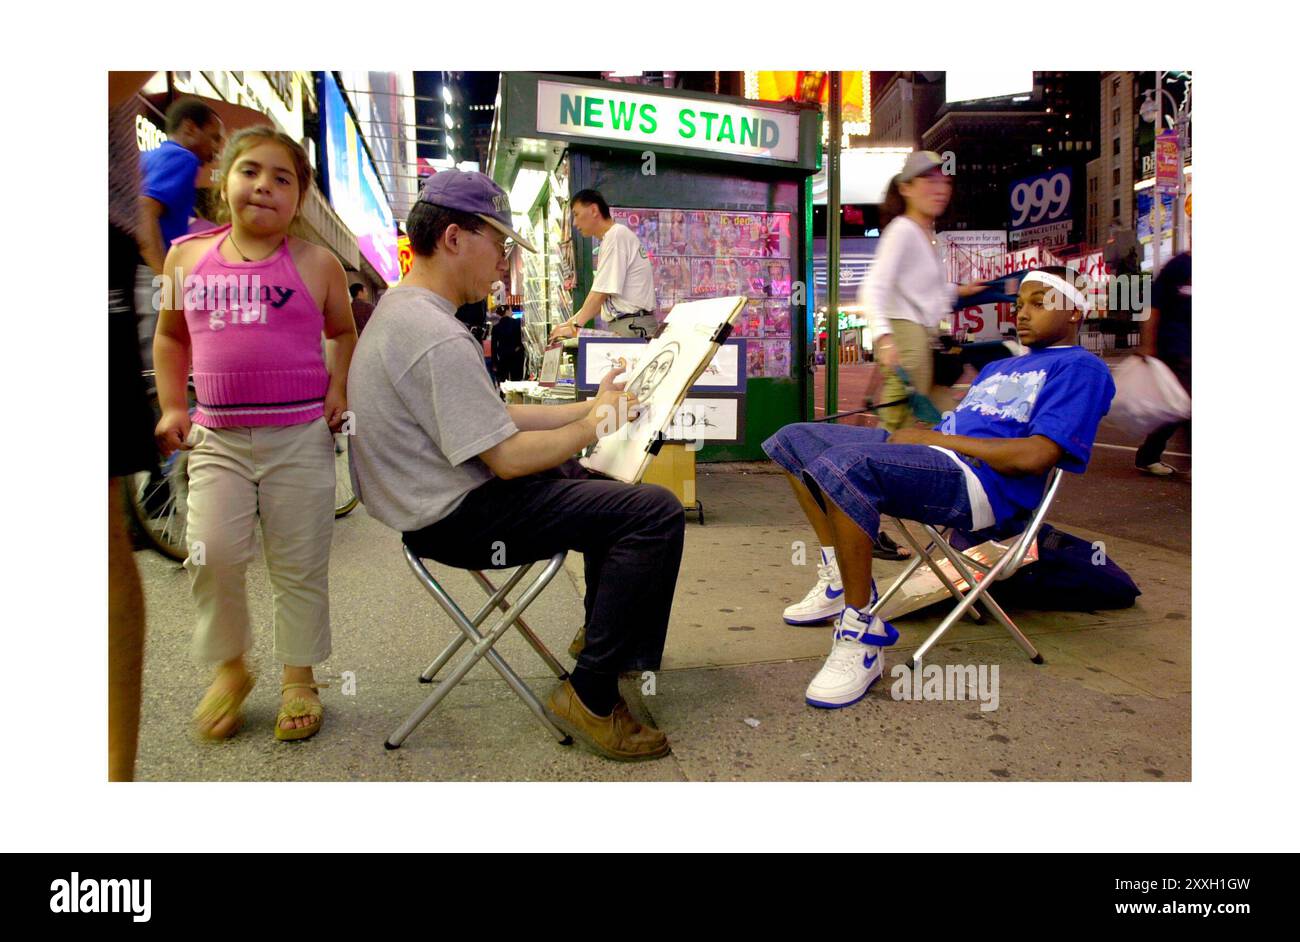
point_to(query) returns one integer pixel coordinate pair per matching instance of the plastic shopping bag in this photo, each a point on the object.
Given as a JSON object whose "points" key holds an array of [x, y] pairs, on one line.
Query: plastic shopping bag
{"points": [[1147, 396]]}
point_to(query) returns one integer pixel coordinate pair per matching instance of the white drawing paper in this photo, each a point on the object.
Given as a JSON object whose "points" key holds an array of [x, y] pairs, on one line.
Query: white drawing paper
{"points": [[603, 357], [723, 369], [667, 367], [705, 420]]}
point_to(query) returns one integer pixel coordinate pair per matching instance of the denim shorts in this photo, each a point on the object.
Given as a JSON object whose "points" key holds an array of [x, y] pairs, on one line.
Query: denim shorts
{"points": [[866, 477]]}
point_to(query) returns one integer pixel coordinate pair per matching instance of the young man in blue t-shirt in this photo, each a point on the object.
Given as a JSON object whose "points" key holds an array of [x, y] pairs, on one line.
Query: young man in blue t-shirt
{"points": [[168, 176], [986, 463]]}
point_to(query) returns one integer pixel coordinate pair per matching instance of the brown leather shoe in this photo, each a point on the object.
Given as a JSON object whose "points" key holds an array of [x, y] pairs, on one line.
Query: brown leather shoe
{"points": [[617, 736]]}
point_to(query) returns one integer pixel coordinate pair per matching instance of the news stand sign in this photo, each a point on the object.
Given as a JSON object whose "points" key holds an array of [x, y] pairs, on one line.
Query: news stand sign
{"points": [[1040, 209]]}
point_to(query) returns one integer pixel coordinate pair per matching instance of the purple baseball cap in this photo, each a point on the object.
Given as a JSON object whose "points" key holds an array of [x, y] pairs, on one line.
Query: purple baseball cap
{"points": [[473, 192]]}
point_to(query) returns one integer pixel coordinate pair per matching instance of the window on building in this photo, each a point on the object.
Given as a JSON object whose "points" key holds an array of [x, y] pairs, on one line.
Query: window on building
{"points": [[1114, 87], [1115, 147], [1114, 208], [1114, 177], [1115, 118]]}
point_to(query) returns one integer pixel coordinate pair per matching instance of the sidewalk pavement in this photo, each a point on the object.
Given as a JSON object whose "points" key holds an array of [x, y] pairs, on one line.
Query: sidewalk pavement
{"points": [[1111, 703]]}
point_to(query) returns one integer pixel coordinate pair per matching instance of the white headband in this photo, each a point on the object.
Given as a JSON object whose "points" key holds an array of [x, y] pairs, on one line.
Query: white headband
{"points": [[1060, 285]]}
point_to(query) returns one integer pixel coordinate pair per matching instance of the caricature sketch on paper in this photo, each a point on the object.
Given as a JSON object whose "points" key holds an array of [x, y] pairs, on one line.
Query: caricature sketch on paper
{"points": [[644, 384], [667, 368]]}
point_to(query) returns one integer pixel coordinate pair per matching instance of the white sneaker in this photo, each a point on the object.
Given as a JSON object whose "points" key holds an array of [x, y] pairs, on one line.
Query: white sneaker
{"points": [[853, 666], [824, 601], [1159, 469]]}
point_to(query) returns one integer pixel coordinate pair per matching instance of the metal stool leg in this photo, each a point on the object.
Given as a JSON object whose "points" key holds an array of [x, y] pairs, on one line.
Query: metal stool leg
{"points": [[534, 642], [981, 593], [918, 559], [481, 649], [962, 563], [934, 567], [496, 599]]}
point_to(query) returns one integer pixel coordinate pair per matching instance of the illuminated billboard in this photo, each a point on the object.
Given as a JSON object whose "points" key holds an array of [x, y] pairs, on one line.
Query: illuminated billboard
{"points": [[353, 186], [974, 84], [855, 94]]}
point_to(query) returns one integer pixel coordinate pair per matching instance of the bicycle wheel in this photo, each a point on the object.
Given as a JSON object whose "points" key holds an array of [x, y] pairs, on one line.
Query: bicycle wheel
{"points": [[158, 502], [345, 498], [158, 499]]}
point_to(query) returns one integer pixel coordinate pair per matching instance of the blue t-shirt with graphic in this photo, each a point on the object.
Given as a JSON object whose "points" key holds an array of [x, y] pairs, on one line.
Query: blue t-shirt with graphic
{"points": [[167, 175], [1060, 393]]}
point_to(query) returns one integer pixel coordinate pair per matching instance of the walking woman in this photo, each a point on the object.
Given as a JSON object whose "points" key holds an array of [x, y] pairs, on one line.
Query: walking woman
{"points": [[907, 292]]}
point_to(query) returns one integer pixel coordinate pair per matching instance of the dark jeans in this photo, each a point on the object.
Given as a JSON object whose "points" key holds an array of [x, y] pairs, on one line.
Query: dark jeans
{"points": [[1153, 448], [131, 446], [630, 537], [866, 477]]}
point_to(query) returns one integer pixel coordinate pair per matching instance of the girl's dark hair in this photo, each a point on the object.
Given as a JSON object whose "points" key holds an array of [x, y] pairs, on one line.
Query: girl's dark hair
{"points": [[894, 204]]}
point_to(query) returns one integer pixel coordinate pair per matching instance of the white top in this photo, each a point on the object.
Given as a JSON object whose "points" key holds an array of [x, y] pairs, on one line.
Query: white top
{"points": [[907, 280], [623, 271], [981, 511]]}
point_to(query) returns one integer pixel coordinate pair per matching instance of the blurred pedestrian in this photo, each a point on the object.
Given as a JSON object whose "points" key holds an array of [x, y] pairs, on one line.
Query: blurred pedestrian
{"points": [[194, 138], [508, 356], [261, 447], [361, 306], [130, 439], [1167, 336], [907, 292]]}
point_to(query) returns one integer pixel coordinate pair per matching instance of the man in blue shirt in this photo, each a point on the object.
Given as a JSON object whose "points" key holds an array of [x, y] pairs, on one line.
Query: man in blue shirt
{"points": [[167, 189], [986, 463]]}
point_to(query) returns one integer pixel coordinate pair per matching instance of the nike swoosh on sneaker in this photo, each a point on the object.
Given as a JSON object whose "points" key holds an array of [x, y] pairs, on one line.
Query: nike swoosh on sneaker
{"points": [[868, 661], [833, 594]]}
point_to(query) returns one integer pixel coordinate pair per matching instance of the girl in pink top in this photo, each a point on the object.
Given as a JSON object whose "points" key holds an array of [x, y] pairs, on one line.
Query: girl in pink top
{"points": [[246, 310]]}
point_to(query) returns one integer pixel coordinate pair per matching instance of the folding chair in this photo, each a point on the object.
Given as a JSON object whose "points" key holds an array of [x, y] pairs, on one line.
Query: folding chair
{"points": [[976, 591], [511, 615]]}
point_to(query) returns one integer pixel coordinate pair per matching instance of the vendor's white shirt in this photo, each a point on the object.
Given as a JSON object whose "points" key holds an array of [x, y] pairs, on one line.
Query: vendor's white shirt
{"points": [[623, 271], [907, 280]]}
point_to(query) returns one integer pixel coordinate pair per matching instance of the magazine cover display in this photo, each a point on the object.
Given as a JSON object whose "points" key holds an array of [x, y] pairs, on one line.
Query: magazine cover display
{"points": [[708, 254]]}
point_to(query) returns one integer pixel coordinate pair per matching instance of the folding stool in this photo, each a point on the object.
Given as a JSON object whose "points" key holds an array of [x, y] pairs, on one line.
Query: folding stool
{"points": [[511, 615], [976, 591]]}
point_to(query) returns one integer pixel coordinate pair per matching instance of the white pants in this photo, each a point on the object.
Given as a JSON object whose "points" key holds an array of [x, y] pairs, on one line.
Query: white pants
{"points": [[283, 474]]}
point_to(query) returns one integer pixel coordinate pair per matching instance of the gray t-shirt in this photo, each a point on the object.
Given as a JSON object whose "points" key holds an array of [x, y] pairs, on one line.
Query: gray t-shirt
{"points": [[424, 410]]}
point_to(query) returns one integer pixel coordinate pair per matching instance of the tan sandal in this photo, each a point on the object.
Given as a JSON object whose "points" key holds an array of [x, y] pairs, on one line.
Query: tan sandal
{"points": [[299, 708], [216, 705]]}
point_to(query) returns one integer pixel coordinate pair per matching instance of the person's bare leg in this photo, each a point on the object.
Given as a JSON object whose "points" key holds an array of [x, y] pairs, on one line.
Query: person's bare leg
{"points": [[125, 641], [853, 552], [808, 504]]}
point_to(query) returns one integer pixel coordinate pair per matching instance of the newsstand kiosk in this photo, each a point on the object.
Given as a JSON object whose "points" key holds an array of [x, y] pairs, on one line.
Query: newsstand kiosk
{"points": [[718, 189]]}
